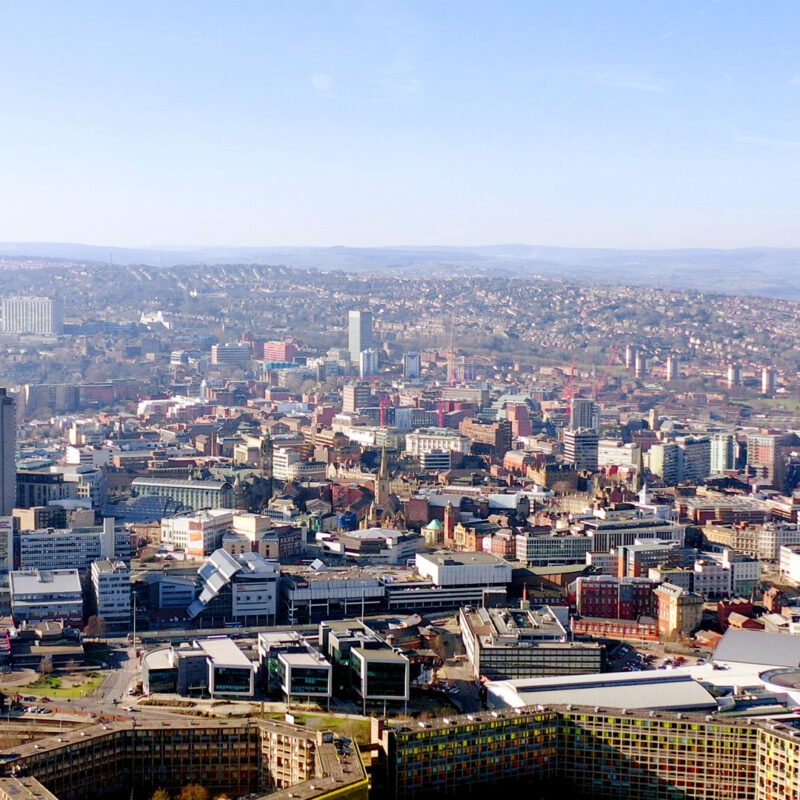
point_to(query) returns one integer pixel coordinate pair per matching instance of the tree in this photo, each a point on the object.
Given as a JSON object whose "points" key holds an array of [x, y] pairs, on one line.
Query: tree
{"points": [[193, 791], [46, 665], [160, 794], [95, 627]]}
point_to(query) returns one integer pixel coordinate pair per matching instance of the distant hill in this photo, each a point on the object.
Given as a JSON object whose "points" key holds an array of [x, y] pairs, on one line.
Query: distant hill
{"points": [[758, 270]]}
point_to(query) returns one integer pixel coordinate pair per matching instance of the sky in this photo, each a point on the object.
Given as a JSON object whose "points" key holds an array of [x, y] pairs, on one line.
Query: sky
{"points": [[623, 123]]}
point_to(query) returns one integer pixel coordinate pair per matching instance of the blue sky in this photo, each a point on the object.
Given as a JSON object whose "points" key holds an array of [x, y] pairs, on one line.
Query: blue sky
{"points": [[668, 123]]}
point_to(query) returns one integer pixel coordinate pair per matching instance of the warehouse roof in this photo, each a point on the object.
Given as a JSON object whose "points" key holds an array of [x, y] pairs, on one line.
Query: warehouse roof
{"points": [[756, 647], [655, 690]]}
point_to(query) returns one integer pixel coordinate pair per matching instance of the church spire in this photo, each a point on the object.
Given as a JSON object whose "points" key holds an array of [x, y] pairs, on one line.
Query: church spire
{"points": [[382, 481], [384, 473]]}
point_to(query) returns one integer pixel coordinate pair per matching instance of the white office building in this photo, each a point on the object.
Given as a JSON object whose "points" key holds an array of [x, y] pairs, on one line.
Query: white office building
{"points": [[197, 533], [429, 440], [546, 549], [359, 333], [73, 548], [581, 448], [464, 569], [8, 471], [790, 562], [723, 452], [41, 315], [46, 596], [368, 363], [111, 587]]}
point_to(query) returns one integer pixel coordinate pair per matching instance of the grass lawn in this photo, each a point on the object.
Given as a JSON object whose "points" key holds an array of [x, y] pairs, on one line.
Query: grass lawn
{"points": [[357, 729], [54, 686]]}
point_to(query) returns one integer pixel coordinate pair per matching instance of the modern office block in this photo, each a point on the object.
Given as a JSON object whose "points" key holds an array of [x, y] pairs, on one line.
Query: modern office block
{"points": [[8, 474], [359, 333], [41, 315]]}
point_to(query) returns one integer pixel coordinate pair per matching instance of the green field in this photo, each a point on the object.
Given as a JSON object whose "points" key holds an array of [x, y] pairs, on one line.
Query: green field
{"points": [[357, 729], [53, 686]]}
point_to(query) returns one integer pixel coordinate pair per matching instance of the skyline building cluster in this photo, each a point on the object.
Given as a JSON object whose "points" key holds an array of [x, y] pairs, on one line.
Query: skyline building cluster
{"points": [[575, 524]]}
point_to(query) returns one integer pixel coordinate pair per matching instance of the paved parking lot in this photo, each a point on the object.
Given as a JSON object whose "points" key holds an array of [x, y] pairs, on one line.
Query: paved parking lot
{"points": [[629, 658]]}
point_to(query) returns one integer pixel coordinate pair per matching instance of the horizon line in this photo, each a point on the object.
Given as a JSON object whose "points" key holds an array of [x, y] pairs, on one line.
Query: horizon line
{"points": [[195, 247]]}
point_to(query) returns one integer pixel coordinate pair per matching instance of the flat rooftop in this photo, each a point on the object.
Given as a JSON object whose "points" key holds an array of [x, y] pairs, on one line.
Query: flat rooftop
{"points": [[624, 523], [377, 533], [500, 625], [385, 655], [223, 650], [24, 789], [159, 659], [280, 638], [45, 581], [304, 660], [639, 690], [329, 573], [757, 647], [447, 559]]}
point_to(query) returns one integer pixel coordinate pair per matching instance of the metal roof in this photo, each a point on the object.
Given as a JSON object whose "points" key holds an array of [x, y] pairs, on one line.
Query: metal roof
{"points": [[618, 690], [756, 647]]}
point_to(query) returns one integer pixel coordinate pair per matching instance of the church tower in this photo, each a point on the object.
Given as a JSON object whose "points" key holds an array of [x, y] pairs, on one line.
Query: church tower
{"points": [[639, 477], [382, 482], [239, 495], [449, 525]]}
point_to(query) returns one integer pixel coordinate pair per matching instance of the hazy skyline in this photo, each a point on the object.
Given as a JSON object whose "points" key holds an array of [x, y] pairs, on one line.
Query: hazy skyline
{"points": [[626, 124]]}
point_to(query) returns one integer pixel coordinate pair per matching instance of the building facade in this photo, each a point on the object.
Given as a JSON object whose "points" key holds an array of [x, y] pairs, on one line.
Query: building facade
{"points": [[581, 448], [678, 611], [8, 470], [47, 596], [188, 494], [111, 587], [40, 315], [523, 642], [588, 752], [359, 333]]}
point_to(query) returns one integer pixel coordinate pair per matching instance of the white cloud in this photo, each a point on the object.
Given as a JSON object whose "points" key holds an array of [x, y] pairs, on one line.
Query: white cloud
{"points": [[768, 141]]}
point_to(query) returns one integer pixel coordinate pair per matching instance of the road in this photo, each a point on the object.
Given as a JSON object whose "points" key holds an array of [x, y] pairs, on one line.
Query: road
{"points": [[124, 669]]}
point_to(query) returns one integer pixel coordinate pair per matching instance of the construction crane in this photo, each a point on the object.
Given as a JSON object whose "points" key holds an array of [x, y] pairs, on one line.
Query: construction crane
{"points": [[383, 397], [385, 402], [601, 384]]}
